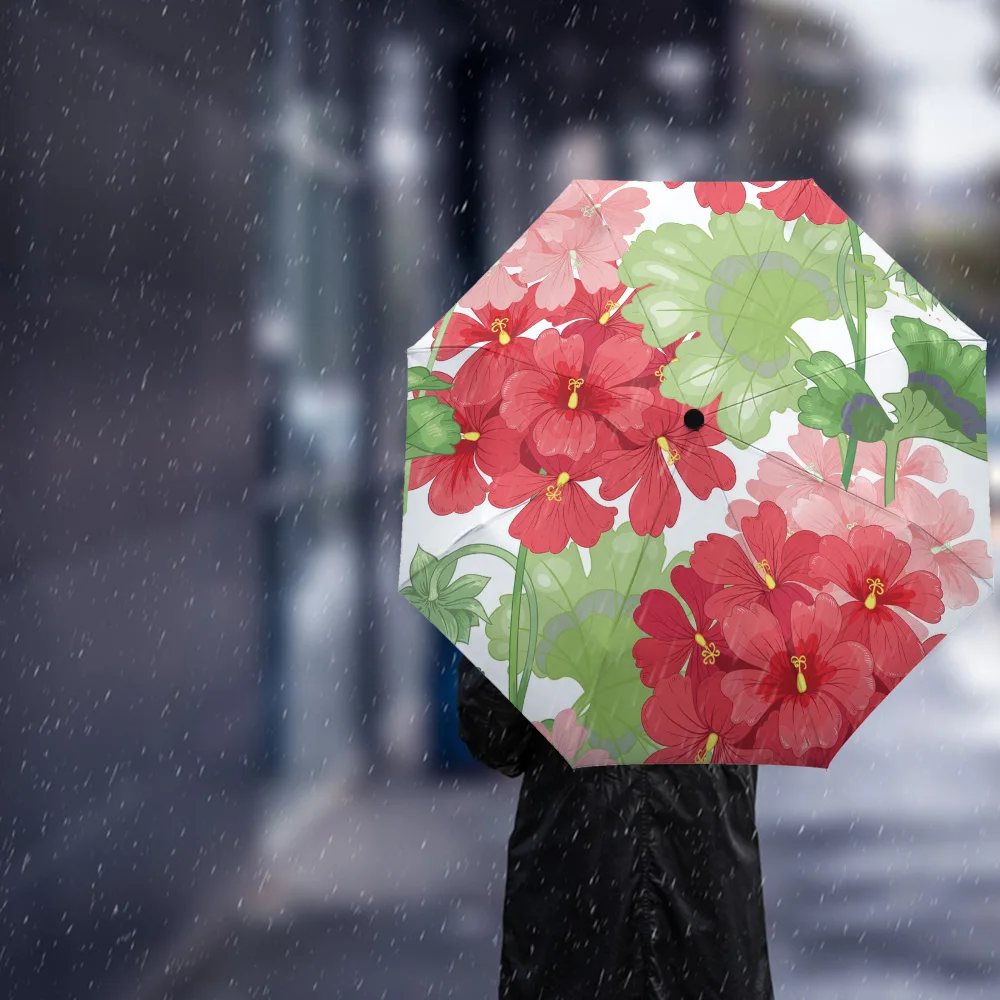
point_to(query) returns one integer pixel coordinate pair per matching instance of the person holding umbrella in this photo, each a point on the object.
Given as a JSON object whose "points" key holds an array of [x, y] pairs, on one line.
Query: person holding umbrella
{"points": [[622, 882], [658, 504]]}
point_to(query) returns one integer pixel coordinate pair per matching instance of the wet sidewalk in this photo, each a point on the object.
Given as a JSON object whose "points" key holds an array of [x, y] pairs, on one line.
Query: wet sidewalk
{"points": [[881, 875], [394, 891]]}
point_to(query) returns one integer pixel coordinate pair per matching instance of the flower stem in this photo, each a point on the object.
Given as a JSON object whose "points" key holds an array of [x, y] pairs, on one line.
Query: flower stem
{"points": [[439, 336], [852, 451], [483, 549], [845, 307], [435, 347], [858, 333], [889, 484], [515, 625], [861, 347]]}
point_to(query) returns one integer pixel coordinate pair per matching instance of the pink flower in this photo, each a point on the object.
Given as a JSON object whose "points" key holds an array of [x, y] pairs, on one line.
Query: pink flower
{"points": [[497, 287], [785, 478], [959, 565], [831, 510], [925, 462], [568, 736], [617, 205], [620, 207], [589, 246]]}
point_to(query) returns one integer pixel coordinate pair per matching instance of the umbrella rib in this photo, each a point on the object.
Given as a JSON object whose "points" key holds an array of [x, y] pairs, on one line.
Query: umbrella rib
{"points": [[736, 322], [621, 267], [729, 337]]}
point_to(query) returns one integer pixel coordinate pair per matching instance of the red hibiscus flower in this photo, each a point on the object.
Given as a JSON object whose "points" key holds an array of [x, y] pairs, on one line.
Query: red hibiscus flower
{"points": [[767, 735], [694, 724], [722, 197], [558, 508], [935, 547], [773, 575], [767, 739], [869, 567], [793, 199], [816, 677], [675, 643], [564, 400], [481, 377], [652, 452], [549, 264], [487, 442], [656, 372], [595, 316]]}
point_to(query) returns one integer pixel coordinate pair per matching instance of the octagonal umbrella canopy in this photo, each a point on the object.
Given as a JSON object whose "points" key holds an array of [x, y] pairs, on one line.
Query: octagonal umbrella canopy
{"points": [[696, 473]]}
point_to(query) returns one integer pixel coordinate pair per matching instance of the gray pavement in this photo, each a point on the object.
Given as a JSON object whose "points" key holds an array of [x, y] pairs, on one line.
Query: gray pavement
{"points": [[881, 875]]}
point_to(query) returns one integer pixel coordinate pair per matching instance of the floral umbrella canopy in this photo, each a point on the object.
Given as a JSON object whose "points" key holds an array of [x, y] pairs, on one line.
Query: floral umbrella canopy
{"points": [[696, 473]]}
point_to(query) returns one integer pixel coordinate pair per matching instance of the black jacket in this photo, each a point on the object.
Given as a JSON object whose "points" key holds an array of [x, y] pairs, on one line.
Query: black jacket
{"points": [[623, 882]]}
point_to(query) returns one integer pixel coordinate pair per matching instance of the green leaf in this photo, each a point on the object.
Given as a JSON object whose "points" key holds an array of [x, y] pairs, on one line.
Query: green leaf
{"points": [[952, 374], [623, 565], [464, 588], [586, 629], [419, 379], [597, 654], [841, 401], [431, 428], [917, 416], [422, 565], [450, 606], [742, 285]]}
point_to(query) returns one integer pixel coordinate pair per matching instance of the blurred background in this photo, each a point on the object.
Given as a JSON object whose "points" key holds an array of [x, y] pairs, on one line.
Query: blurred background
{"points": [[229, 764]]}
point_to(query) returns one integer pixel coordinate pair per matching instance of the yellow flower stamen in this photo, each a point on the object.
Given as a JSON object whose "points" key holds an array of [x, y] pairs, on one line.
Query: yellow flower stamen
{"points": [[609, 308], [499, 327], [574, 398], [765, 567], [875, 588], [554, 490], [471, 436], [709, 651], [710, 745], [799, 662], [668, 449]]}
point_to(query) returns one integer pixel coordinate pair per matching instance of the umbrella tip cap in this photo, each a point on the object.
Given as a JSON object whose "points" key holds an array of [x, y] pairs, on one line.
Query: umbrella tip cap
{"points": [[694, 420]]}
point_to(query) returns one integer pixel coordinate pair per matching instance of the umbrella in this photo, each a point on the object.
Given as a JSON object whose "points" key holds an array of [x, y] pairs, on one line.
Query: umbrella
{"points": [[696, 473]]}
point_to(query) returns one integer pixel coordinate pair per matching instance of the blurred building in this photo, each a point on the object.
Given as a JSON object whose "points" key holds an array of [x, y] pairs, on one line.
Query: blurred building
{"points": [[130, 607]]}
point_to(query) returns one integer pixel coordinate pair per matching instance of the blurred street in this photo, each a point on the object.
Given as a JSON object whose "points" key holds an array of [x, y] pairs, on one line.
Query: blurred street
{"points": [[874, 888]]}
